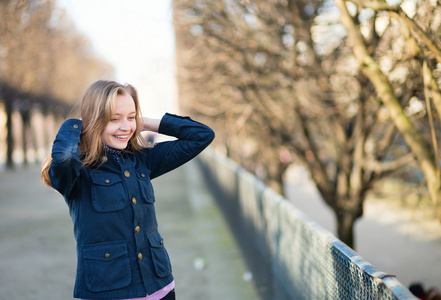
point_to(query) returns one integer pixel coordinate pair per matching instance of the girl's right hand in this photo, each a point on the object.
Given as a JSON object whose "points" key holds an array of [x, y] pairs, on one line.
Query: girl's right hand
{"points": [[151, 124]]}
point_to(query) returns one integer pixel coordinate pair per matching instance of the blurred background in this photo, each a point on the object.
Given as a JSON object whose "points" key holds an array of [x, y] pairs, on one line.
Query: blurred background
{"points": [[52, 50], [334, 104]]}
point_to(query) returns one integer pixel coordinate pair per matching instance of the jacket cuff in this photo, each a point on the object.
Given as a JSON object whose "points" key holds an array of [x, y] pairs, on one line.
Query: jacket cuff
{"points": [[67, 139], [171, 124], [73, 125]]}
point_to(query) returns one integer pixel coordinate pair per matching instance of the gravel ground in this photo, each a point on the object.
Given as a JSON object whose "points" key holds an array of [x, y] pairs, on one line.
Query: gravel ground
{"points": [[37, 248]]}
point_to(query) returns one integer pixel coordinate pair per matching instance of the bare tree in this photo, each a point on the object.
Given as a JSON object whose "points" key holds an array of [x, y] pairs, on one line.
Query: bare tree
{"points": [[43, 60], [279, 82], [372, 70]]}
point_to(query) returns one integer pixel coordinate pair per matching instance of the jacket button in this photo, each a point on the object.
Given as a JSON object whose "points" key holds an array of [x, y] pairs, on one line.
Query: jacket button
{"points": [[160, 242], [140, 256], [127, 174], [75, 126], [134, 201], [142, 175], [137, 229], [107, 255], [107, 181]]}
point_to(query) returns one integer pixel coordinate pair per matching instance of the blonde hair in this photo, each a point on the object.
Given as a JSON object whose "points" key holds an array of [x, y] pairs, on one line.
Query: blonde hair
{"points": [[96, 108]]}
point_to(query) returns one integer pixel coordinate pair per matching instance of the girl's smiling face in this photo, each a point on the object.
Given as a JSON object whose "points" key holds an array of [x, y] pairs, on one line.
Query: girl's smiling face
{"points": [[122, 124]]}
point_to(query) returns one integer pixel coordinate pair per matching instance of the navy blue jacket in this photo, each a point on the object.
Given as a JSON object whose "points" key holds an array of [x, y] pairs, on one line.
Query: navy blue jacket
{"points": [[120, 251]]}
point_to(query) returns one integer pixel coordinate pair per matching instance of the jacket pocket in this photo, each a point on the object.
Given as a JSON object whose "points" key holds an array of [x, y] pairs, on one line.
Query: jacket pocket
{"points": [[107, 266], [145, 185], [161, 260], [107, 192]]}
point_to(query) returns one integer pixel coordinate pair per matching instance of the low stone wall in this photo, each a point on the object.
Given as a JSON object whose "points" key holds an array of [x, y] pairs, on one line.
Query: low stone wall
{"points": [[290, 256]]}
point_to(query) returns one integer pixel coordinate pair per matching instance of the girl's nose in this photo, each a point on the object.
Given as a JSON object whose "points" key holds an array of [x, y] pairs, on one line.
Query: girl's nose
{"points": [[125, 125]]}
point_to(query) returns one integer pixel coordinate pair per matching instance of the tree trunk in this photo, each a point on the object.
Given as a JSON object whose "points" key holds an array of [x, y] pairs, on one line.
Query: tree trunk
{"points": [[275, 177], [25, 120], [345, 227], [349, 206], [9, 136]]}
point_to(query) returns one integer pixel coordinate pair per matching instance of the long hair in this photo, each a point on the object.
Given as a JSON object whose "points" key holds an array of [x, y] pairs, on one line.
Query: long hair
{"points": [[96, 108]]}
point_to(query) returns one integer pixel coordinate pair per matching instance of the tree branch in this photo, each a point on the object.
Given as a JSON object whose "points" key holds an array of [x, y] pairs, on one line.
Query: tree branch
{"points": [[399, 12], [381, 167]]}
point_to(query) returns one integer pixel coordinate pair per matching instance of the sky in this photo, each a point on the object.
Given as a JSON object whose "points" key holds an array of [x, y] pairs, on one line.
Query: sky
{"points": [[136, 36]]}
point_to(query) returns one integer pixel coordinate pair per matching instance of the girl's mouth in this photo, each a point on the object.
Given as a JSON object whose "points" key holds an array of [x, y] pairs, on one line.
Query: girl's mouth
{"points": [[122, 138]]}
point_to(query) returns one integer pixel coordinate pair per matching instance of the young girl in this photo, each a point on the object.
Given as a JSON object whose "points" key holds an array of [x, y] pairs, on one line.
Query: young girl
{"points": [[103, 166]]}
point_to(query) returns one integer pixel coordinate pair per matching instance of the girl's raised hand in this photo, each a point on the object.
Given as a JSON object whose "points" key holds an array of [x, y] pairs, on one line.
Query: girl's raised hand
{"points": [[151, 124]]}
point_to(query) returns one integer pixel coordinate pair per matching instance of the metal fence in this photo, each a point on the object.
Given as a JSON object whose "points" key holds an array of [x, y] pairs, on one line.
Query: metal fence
{"points": [[290, 256]]}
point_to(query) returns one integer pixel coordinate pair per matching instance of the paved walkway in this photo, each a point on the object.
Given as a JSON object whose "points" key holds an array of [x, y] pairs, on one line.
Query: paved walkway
{"points": [[37, 248]]}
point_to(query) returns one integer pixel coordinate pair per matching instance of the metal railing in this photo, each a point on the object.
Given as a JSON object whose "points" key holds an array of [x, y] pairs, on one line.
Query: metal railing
{"points": [[290, 256]]}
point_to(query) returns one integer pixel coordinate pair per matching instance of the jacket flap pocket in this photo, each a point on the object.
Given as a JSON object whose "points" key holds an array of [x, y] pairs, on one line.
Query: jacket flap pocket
{"points": [[106, 266], [105, 179], [143, 174], [161, 260], [105, 251], [155, 239], [145, 185]]}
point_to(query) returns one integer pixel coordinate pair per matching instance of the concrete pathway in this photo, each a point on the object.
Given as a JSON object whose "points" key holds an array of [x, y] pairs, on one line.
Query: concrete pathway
{"points": [[37, 248]]}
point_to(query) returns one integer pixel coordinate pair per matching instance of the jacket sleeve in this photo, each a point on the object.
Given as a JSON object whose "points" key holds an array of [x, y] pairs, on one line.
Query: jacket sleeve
{"points": [[66, 164], [192, 138]]}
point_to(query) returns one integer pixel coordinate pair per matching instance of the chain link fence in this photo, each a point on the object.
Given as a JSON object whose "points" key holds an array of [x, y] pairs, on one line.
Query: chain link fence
{"points": [[290, 256]]}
